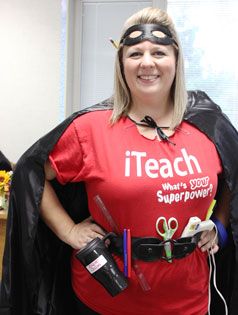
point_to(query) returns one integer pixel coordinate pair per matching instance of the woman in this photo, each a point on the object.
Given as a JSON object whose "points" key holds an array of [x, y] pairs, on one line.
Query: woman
{"points": [[112, 158], [143, 158]]}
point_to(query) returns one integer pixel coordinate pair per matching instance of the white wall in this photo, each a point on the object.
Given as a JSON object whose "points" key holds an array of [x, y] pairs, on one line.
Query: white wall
{"points": [[30, 39]]}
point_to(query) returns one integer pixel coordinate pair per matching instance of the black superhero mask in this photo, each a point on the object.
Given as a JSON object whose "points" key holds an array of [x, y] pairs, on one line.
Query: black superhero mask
{"points": [[155, 33]]}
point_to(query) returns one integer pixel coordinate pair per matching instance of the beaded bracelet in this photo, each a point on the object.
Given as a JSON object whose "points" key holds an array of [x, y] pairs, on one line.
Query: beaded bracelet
{"points": [[222, 233]]}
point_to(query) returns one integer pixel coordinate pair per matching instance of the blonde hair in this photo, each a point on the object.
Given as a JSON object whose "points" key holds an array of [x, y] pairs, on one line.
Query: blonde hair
{"points": [[122, 97]]}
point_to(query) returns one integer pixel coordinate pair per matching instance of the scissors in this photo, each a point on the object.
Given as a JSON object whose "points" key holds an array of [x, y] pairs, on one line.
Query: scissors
{"points": [[169, 228]]}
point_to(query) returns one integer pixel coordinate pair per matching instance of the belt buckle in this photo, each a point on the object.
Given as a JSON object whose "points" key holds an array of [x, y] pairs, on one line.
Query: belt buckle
{"points": [[147, 249], [183, 247]]}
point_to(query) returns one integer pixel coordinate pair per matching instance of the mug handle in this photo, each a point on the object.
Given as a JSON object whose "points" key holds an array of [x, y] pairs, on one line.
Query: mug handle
{"points": [[109, 236]]}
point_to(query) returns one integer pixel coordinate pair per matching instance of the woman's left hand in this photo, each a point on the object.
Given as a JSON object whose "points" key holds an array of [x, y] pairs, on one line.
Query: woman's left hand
{"points": [[209, 241]]}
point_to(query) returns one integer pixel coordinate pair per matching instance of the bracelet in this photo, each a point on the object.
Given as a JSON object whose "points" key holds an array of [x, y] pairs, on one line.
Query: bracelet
{"points": [[222, 233]]}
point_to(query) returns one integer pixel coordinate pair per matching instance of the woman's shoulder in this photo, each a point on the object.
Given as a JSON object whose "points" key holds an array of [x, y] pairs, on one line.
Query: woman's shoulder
{"points": [[91, 122], [93, 118]]}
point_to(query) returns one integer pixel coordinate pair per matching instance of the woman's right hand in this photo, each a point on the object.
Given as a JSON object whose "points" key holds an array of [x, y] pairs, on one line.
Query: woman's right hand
{"points": [[84, 232]]}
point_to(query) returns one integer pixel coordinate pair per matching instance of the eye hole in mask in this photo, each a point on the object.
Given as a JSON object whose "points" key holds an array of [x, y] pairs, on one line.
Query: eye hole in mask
{"points": [[135, 34], [158, 34]]}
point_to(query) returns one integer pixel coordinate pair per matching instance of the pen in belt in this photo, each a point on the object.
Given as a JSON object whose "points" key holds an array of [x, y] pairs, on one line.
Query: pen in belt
{"points": [[125, 259], [128, 253]]}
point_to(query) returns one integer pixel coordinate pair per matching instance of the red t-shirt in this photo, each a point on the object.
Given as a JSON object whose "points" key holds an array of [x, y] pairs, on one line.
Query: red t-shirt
{"points": [[139, 180]]}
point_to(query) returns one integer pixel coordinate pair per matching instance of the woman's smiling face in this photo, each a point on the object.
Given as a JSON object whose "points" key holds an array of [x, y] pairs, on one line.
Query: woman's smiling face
{"points": [[149, 69]]}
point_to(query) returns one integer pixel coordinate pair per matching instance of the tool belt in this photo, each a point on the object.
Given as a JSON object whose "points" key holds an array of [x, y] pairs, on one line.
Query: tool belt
{"points": [[152, 248]]}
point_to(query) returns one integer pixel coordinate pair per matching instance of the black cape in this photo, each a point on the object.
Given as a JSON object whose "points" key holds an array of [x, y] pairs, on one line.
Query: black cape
{"points": [[36, 264]]}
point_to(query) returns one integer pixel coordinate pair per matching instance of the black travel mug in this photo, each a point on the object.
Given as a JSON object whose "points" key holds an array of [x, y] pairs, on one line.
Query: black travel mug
{"points": [[99, 262]]}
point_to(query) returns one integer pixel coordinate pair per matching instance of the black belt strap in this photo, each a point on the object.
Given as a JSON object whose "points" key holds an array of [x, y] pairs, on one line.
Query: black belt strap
{"points": [[152, 248]]}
